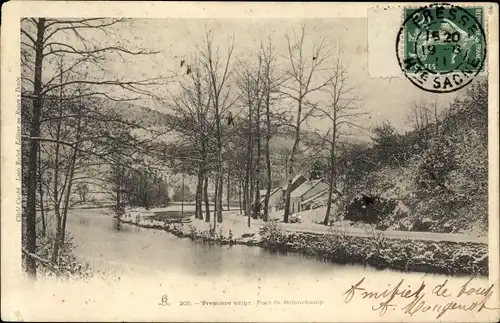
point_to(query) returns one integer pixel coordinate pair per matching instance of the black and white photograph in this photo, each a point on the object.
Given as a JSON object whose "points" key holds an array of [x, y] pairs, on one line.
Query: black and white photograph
{"points": [[242, 157]]}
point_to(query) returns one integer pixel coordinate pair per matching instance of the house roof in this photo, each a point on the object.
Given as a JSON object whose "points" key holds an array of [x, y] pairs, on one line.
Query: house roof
{"points": [[270, 194], [305, 187], [314, 197], [284, 183]]}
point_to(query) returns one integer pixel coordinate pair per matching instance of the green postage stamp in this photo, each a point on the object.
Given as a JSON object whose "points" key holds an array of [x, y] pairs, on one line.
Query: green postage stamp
{"points": [[442, 47]]}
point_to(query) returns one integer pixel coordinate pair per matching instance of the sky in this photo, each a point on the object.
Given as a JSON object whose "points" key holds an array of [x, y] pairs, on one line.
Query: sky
{"points": [[175, 39], [383, 99]]}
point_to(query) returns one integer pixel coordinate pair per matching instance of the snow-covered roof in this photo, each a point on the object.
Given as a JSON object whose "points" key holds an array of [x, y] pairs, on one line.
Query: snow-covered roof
{"points": [[285, 182], [304, 188], [270, 194], [314, 197], [301, 189]]}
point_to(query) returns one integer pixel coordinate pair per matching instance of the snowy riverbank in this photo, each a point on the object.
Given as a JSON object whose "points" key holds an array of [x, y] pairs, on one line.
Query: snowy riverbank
{"points": [[334, 244]]}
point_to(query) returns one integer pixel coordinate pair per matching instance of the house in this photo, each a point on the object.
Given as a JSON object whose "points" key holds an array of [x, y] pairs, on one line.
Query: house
{"points": [[274, 199], [315, 201], [297, 181], [277, 194], [306, 193]]}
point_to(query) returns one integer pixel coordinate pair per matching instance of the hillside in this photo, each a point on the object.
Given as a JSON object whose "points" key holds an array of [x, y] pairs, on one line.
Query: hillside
{"points": [[134, 113], [432, 178]]}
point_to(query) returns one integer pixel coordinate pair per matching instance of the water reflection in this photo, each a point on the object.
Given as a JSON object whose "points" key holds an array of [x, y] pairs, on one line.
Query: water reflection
{"points": [[83, 221], [104, 242], [121, 227], [117, 224]]}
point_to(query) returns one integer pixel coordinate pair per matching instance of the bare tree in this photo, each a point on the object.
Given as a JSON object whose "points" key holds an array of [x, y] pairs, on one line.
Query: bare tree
{"points": [[219, 73], [425, 119], [302, 80], [419, 117], [46, 38], [258, 159], [83, 191], [237, 155], [271, 81], [341, 110], [193, 123], [199, 114], [434, 107], [245, 84]]}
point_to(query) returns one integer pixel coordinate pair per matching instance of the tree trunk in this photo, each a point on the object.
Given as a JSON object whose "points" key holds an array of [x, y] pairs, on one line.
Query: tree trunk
{"points": [[256, 214], [40, 190], [216, 195], [251, 202], [67, 197], [118, 188], [219, 196], [218, 182], [257, 165], [228, 188], [268, 194], [268, 158], [118, 196], [247, 190], [244, 197], [199, 192], [292, 159], [436, 118], [239, 196], [287, 196], [248, 209], [205, 194], [216, 203], [290, 180], [331, 179], [248, 185], [197, 199], [216, 199], [252, 191], [72, 173], [58, 237], [33, 149], [256, 209], [290, 175]]}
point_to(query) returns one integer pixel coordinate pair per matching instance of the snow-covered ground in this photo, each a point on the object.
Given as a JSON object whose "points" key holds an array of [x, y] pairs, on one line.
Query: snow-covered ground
{"points": [[237, 225]]}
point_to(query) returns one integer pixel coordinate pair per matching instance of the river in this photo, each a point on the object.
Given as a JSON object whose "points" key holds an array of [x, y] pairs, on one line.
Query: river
{"points": [[135, 250], [149, 264]]}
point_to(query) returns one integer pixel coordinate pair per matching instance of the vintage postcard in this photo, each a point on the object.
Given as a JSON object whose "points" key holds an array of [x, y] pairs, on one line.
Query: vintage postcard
{"points": [[306, 162]]}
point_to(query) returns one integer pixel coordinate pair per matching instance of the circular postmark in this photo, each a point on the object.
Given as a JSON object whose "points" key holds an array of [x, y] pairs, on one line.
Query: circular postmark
{"points": [[441, 47]]}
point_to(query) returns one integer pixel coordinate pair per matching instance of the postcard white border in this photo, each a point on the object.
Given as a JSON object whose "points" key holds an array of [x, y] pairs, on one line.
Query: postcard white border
{"points": [[116, 301]]}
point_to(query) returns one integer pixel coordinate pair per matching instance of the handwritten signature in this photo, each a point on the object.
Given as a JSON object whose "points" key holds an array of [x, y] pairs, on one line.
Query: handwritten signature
{"points": [[417, 297]]}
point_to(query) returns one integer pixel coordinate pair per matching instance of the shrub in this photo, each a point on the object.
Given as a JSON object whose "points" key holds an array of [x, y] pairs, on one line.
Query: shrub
{"points": [[68, 266], [272, 235], [369, 208], [295, 219]]}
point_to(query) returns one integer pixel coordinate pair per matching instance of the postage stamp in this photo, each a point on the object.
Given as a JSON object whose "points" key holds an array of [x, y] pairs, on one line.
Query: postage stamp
{"points": [[306, 162], [442, 47]]}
